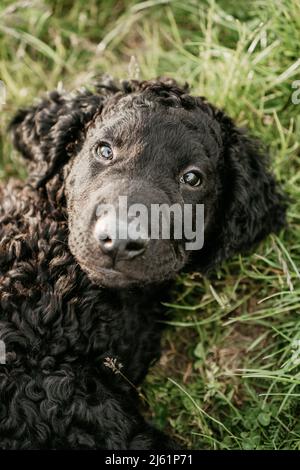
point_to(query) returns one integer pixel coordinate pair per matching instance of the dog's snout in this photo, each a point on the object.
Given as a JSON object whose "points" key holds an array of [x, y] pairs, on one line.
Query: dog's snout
{"points": [[114, 239], [122, 248]]}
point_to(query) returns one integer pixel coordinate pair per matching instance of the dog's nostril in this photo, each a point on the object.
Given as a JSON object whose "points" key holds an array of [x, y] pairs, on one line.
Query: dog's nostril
{"points": [[107, 241]]}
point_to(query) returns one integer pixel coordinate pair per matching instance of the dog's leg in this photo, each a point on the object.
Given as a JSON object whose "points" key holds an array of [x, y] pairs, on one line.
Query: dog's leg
{"points": [[149, 438]]}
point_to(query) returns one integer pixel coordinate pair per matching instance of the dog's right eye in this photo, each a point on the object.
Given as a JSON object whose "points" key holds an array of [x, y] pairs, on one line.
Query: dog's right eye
{"points": [[103, 150]]}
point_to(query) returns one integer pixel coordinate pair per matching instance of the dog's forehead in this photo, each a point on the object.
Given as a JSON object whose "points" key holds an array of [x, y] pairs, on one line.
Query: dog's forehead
{"points": [[131, 120]]}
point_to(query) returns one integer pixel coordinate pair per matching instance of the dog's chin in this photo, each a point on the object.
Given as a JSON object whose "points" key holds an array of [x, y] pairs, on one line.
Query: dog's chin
{"points": [[113, 279], [110, 278]]}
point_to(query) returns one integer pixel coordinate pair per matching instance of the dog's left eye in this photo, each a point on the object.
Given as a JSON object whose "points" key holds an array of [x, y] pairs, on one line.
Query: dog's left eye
{"points": [[104, 150], [192, 178]]}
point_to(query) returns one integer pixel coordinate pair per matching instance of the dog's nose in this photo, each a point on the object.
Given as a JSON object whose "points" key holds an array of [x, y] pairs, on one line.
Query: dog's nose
{"points": [[122, 248], [116, 245]]}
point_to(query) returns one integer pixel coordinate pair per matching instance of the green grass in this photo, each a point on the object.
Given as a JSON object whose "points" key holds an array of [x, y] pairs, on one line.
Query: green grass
{"points": [[229, 377]]}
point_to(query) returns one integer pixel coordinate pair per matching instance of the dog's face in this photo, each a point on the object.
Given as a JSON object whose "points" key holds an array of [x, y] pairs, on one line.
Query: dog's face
{"points": [[150, 154], [152, 144]]}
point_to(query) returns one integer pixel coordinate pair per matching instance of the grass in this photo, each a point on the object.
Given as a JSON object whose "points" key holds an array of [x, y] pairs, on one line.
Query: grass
{"points": [[229, 377]]}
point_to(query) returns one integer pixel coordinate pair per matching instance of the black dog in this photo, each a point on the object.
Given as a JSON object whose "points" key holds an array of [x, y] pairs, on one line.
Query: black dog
{"points": [[79, 306]]}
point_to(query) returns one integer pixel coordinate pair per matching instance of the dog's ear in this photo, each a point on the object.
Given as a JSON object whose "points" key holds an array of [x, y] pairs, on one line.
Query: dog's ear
{"points": [[251, 204], [46, 134]]}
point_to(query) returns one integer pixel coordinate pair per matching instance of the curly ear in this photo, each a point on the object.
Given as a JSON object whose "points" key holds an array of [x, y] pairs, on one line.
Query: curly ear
{"points": [[251, 204], [257, 207], [46, 134]]}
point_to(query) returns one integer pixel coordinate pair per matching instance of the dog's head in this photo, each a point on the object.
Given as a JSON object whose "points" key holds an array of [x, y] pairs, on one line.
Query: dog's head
{"points": [[149, 143]]}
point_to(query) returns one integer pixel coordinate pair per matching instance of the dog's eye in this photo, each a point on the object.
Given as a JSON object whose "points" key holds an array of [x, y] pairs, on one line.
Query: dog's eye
{"points": [[104, 150], [192, 178]]}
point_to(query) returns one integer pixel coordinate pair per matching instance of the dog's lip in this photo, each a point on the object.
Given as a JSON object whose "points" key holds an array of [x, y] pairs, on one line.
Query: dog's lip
{"points": [[108, 277], [108, 271]]}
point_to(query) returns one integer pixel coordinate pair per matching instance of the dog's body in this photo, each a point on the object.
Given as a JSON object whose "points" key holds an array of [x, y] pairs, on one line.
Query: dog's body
{"points": [[81, 326], [57, 388]]}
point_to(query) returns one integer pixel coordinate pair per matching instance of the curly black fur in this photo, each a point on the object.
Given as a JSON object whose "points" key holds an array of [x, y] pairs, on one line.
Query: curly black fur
{"points": [[60, 326]]}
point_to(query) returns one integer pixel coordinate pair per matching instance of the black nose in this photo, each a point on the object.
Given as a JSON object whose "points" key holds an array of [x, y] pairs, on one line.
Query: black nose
{"points": [[122, 248], [118, 247]]}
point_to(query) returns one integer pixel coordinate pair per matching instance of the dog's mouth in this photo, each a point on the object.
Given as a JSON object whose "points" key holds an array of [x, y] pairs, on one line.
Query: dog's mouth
{"points": [[111, 277], [127, 274]]}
